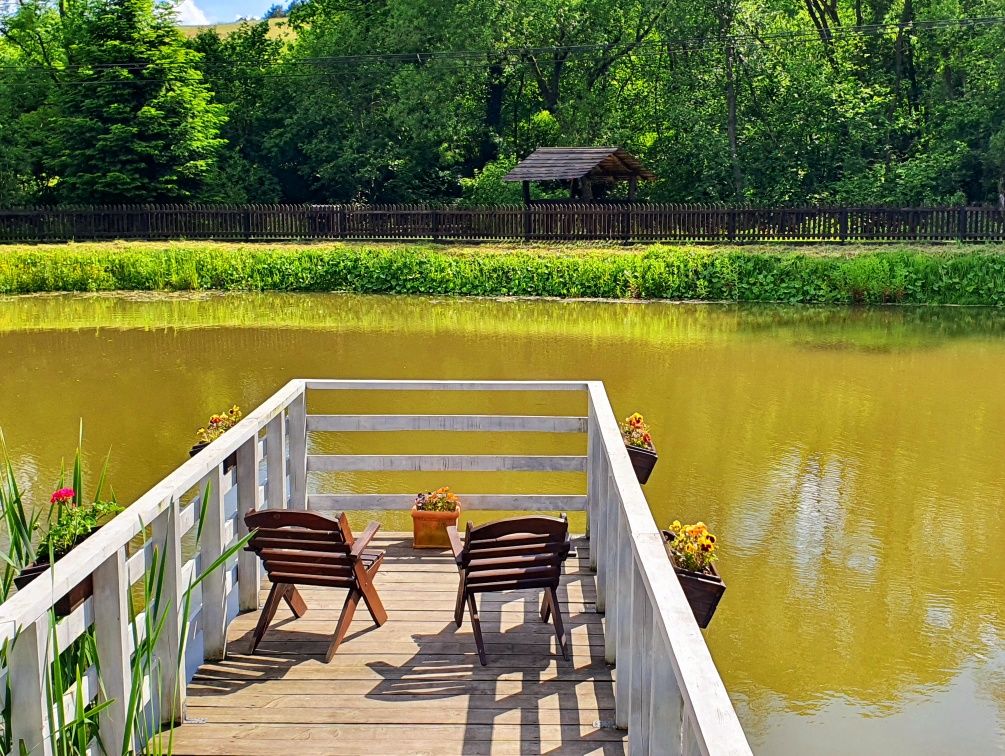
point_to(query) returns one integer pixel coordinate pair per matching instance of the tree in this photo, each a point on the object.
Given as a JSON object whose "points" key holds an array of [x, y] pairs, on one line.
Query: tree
{"points": [[128, 116]]}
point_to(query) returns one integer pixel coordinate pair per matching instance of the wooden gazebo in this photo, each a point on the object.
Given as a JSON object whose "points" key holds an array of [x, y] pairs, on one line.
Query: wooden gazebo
{"points": [[582, 167]]}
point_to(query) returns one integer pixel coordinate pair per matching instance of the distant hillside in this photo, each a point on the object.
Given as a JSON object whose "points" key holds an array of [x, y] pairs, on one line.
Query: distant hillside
{"points": [[277, 28]]}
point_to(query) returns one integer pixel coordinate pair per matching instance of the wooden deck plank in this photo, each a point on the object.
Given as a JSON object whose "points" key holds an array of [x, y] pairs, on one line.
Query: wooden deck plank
{"points": [[415, 684]]}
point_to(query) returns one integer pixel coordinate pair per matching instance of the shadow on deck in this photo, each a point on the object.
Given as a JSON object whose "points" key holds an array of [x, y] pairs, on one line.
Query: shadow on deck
{"points": [[414, 685]]}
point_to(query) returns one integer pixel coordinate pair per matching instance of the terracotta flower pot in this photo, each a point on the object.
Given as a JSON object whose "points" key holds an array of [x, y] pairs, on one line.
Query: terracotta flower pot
{"points": [[702, 589], [74, 598], [643, 460], [429, 529]]}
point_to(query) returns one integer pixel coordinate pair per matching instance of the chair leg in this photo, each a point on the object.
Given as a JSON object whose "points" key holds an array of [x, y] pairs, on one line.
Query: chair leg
{"points": [[295, 601], [373, 603], [459, 606], [476, 627], [545, 607], [344, 620], [276, 594], [369, 591], [559, 627]]}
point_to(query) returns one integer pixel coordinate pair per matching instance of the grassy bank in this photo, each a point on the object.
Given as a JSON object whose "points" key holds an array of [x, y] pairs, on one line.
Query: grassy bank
{"points": [[938, 275]]}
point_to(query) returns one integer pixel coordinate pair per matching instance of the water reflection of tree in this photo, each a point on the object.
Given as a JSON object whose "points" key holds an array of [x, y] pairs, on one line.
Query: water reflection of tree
{"points": [[847, 603]]}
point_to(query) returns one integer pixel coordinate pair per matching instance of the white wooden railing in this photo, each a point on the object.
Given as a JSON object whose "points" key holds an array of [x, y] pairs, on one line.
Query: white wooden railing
{"points": [[668, 693]]}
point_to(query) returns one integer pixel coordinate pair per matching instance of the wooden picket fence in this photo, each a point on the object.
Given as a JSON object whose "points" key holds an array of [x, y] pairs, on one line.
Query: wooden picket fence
{"points": [[626, 222]]}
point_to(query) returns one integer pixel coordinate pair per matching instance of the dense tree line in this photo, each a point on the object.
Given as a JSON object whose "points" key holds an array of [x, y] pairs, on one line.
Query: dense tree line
{"points": [[762, 101]]}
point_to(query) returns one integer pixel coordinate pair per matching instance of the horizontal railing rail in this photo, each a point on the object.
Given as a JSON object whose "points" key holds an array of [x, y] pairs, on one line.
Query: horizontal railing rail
{"points": [[668, 692], [566, 221]]}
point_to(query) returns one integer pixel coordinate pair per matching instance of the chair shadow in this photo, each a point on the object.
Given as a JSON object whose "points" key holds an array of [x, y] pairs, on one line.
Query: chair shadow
{"points": [[436, 674]]}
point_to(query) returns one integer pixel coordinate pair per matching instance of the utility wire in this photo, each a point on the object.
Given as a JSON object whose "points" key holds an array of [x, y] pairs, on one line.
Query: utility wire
{"points": [[461, 59]]}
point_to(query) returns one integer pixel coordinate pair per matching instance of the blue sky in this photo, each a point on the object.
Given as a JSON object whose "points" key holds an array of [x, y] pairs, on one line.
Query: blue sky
{"points": [[219, 11]]}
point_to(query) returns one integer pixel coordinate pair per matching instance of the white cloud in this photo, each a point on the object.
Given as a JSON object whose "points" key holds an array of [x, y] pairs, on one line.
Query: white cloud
{"points": [[190, 14]]}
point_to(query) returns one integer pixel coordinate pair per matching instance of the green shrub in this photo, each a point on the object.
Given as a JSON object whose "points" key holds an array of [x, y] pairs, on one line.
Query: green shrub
{"points": [[913, 276]]}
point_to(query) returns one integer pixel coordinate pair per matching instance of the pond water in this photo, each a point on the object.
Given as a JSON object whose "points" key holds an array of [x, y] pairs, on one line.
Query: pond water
{"points": [[851, 461]]}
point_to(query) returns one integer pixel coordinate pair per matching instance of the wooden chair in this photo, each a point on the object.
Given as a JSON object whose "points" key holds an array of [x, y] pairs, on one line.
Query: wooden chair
{"points": [[512, 554], [306, 548]]}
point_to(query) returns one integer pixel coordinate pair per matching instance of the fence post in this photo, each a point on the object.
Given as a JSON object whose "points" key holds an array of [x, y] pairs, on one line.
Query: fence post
{"points": [[843, 225], [961, 223], [731, 229], [168, 647], [248, 499], [246, 223], [434, 221], [111, 636], [29, 657]]}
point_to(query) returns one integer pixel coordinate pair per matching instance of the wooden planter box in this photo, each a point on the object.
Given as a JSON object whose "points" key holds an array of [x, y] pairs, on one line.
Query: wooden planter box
{"points": [[74, 598], [643, 461], [702, 589], [229, 463], [429, 529]]}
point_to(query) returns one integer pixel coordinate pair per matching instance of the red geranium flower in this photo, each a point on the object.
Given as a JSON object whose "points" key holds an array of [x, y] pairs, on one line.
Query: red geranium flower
{"points": [[62, 496]]}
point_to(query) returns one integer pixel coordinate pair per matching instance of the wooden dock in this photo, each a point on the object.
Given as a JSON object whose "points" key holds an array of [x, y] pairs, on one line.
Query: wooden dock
{"points": [[639, 664], [414, 685]]}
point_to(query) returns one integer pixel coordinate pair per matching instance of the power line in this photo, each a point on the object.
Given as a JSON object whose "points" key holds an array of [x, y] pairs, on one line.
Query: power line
{"points": [[463, 58]]}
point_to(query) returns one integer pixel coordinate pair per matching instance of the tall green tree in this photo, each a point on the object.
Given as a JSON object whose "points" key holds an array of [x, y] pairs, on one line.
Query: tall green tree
{"points": [[128, 117], [132, 117]]}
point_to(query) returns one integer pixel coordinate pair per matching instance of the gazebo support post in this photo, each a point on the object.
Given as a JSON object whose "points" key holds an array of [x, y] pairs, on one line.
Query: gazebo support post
{"points": [[526, 210], [633, 187]]}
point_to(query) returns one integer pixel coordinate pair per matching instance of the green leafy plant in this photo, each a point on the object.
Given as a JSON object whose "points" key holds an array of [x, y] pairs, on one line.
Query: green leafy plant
{"points": [[73, 522], [440, 500], [903, 275], [70, 519], [20, 524]]}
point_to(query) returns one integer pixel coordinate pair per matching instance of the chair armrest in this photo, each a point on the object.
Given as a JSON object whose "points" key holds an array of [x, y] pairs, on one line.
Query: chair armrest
{"points": [[364, 539], [455, 542]]}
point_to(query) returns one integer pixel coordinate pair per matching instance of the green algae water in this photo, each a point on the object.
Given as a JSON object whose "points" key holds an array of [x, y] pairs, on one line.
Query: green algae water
{"points": [[850, 461]]}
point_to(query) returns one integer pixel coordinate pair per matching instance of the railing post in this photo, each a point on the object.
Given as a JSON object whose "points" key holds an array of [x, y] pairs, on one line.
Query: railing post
{"points": [[214, 587], [613, 542], [843, 225], [298, 451], [642, 665], [622, 620], [593, 524], [275, 462], [248, 499], [111, 637], [29, 658], [961, 223], [168, 646], [666, 705]]}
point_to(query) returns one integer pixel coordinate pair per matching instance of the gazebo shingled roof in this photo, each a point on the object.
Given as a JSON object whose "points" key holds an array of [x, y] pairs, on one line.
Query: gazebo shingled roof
{"points": [[566, 163]]}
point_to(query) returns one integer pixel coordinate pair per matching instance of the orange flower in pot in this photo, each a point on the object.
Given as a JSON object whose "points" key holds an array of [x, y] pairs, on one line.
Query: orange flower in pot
{"points": [[432, 513], [641, 449]]}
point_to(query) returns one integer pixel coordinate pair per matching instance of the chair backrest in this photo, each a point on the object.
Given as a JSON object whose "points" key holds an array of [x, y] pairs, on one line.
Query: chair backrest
{"points": [[303, 548], [520, 552]]}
